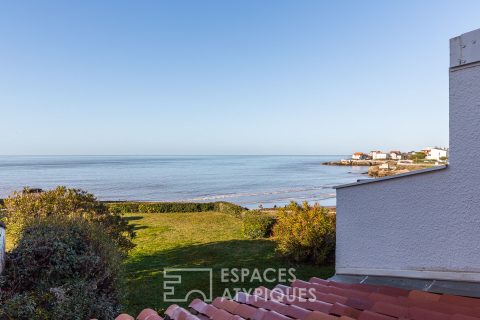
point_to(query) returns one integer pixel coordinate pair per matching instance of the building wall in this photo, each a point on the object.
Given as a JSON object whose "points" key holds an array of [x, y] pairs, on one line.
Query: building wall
{"points": [[425, 225], [436, 154], [2, 248], [412, 226], [380, 156]]}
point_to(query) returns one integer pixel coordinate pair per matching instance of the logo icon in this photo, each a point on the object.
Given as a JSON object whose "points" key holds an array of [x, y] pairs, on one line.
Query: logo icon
{"points": [[175, 285]]}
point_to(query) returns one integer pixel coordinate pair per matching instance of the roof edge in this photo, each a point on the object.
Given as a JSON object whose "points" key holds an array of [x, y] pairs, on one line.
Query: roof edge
{"points": [[401, 175], [452, 287]]}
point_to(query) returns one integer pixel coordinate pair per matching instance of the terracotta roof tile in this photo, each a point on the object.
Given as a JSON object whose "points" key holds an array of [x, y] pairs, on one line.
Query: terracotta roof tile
{"points": [[201, 307], [324, 300], [148, 314], [423, 296], [339, 309], [316, 315], [369, 315], [416, 313], [462, 317], [390, 309]]}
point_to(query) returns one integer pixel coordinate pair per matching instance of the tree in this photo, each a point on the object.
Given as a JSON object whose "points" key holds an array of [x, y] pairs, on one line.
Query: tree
{"points": [[418, 156]]}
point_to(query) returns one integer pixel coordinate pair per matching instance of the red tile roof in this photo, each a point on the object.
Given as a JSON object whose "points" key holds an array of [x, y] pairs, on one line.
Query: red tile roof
{"points": [[320, 299]]}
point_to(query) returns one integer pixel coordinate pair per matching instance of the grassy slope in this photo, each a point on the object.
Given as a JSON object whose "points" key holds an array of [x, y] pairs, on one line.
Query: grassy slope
{"points": [[183, 240]]}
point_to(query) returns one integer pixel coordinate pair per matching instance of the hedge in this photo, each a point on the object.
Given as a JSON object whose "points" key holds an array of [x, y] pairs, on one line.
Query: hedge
{"points": [[166, 207]]}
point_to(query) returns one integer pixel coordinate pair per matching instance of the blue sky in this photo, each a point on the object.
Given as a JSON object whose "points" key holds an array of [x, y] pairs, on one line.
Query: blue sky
{"points": [[226, 77]]}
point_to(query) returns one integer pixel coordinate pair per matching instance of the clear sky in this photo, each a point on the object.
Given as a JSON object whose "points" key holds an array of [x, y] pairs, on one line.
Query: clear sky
{"points": [[226, 77]]}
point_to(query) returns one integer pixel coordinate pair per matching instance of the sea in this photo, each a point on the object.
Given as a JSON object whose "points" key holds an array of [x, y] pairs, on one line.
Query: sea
{"points": [[250, 181]]}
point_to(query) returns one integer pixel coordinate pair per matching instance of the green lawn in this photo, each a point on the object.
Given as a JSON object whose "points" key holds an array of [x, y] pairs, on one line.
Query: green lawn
{"points": [[196, 240]]}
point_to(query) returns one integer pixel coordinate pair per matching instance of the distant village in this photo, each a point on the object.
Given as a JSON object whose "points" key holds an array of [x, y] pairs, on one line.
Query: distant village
{"points": [[394, 162], [431, 154]]}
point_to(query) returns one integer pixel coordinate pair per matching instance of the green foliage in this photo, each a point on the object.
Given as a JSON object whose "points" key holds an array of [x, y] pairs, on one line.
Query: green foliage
{"points": [[174, 207], [230, 208], [165, 207], [62, 269], [123, 207], [418, 156], [257, 224], [25, 207], [305, 233]]}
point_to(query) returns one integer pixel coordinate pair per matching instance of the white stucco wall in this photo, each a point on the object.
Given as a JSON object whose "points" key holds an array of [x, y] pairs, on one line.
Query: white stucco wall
{"points": [[425, 225], [436, 154], [2, 248]]}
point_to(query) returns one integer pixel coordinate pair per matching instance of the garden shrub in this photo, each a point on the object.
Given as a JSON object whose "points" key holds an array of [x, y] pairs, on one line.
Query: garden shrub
{"points": [[305, 233], [62, 269], [25, 207], [257, 224], [123, 207]]}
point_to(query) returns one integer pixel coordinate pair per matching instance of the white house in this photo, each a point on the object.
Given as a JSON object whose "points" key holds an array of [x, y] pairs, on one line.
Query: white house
{"points": [[379, 155], [395, 155], [359, 156], [422, 226], [436, 153]]}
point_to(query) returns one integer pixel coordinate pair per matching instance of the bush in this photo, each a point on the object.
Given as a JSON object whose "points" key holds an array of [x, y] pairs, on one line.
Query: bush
{"points": [[62, 269], [230, 208], [25, 207], [166, 207], [122, 207], [305, 233], [257, 224]]}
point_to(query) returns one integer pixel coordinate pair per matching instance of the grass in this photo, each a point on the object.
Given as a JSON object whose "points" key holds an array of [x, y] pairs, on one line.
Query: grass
{"points": [[198, 240]]}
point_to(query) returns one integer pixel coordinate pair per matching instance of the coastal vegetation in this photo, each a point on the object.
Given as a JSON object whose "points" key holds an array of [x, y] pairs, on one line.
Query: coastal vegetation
{"points": [[391, 169], [27, 206], [164, 207], [258, 224], [65, 259], [74, 257], [306, 233], [62, 269]]}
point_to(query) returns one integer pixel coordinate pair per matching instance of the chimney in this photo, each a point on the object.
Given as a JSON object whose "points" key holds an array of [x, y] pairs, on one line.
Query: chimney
{"points": [[465, 103]]}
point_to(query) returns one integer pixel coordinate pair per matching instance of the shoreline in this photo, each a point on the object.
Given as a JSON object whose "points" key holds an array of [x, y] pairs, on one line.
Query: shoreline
{"points": [[382, 168]]}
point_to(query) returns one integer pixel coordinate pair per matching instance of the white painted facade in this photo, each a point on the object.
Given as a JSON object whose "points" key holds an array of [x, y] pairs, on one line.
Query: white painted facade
{"points": [[2, 247], [378, 155], [395, 156], [423, 225], [436, 154]]}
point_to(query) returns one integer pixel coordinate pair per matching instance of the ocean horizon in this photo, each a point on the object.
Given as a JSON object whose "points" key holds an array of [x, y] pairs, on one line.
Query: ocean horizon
{"points": [[247, 180]]}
